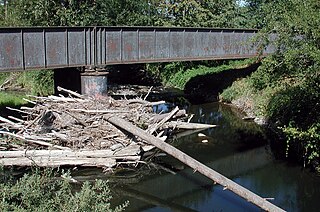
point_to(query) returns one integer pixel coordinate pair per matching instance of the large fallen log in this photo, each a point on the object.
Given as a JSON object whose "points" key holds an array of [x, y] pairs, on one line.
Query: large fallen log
{"points": [[58, 161], [104, 153], [54, 158], [194, 164]]}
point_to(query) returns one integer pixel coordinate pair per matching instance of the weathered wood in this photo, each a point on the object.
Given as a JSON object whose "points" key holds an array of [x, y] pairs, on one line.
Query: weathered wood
{"points": [[185, 133], [168, 116], [70, 92], [32, 154], [41, 143], [196, 165], [16, 119], [29, 101], [188, 126], [15, 125], [159, 117], [140, 101], [64, 99], [20, 111], [58, 161], [133, 149], [98, 111]]}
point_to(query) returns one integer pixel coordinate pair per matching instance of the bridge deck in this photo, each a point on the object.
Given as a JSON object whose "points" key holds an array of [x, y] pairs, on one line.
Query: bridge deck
{"points": [[58, 47]]}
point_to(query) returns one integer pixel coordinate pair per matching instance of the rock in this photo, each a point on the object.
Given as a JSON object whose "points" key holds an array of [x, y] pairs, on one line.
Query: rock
{"points": [[260, 121], [201, 135]]}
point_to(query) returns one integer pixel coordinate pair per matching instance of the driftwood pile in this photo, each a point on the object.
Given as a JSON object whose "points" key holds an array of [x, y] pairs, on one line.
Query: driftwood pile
{"points": [[74, 130], [84, 132]]}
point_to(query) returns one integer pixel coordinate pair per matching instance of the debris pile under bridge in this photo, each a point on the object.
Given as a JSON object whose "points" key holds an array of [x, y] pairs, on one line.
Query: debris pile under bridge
{"points": [[74, 130], [79, 131]]}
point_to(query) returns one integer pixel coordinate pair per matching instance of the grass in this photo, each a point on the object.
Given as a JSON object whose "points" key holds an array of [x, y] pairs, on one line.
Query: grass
{"points": [[179, 78], [11, 99], [33, 82]]}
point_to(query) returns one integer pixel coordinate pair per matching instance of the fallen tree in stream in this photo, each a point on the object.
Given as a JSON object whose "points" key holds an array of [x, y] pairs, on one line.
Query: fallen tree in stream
{"points": [[194, 164], [72, 131], [79, 131]]}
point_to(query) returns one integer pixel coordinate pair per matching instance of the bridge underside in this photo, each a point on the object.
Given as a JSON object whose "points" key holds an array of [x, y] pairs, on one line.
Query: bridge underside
{"points": [[96, 47], [60, 47]]}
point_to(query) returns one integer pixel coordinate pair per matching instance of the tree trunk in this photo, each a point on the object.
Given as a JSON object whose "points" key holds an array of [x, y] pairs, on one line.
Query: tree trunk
{"points": [[196, 165]]}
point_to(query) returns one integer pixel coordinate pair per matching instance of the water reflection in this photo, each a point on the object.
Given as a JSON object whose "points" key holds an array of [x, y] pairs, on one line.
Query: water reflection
{"points": [[237, 149]]}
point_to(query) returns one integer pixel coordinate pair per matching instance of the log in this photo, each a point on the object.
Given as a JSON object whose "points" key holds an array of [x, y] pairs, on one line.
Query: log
{"points": [[159, 117], [58, 161], [67, 154], [140, 101], [99, 111], [168, 116], [188, 126], [16, 119], [194, 164], [15, 125], [41, 143], [133, 149], [185, 133], [70, 92]]}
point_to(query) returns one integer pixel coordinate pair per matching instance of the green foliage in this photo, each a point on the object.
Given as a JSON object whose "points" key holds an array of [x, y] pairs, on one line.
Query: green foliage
{"points": [[3, 77], [211, 13], [77, 13], [286, 88], [178, 74], [310, 138], [7, 99], [39, 191], [38, 82]]}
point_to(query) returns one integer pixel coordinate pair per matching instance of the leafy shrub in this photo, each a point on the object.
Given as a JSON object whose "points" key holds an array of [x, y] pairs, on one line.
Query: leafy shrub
{"points": [[39, 191], [310, 138]]}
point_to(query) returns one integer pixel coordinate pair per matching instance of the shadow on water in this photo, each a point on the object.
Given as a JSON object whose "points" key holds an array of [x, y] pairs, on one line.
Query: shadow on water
{"points": [[238, 150], [206, 88]]}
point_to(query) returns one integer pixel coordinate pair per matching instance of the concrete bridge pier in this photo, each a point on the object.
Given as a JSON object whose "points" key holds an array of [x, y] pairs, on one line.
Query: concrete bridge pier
{"points": [[90, 82], [94, 83]]}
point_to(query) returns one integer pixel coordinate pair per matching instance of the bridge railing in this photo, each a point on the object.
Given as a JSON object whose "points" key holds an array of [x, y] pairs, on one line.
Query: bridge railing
{"points": [[58, 47]]}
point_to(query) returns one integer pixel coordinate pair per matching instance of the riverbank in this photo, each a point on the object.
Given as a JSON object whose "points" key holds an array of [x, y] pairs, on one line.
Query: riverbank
{"points": [[289, 107]]}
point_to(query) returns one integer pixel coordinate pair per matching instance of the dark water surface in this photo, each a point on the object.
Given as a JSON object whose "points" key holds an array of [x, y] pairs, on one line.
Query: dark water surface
{"points": [[238, 150]]}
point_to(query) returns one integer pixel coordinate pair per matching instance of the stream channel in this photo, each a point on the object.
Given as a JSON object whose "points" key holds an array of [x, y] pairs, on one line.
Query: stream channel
{"points": [[237, 149], [240, 150]]}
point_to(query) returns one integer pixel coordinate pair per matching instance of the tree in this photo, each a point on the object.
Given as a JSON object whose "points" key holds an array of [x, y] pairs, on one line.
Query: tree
{"points": [[211, 13]]}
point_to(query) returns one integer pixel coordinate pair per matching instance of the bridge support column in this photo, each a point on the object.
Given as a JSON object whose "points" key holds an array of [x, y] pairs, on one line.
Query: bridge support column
{"points": [[94, 83]]}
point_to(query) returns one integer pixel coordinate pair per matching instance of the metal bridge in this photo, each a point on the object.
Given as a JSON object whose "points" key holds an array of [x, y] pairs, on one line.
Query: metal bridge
{"points": [[61, 47]]}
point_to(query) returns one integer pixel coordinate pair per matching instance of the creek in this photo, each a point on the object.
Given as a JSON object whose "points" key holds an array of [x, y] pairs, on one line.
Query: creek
{"points": [[238, 149]]}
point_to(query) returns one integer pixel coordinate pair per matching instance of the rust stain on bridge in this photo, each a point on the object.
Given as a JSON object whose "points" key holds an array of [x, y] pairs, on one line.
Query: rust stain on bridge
{"points": [[59, 47]]}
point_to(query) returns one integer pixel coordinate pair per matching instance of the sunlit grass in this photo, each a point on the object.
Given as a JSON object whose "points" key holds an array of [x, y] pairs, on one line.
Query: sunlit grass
{"points": [[11, 99]]}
